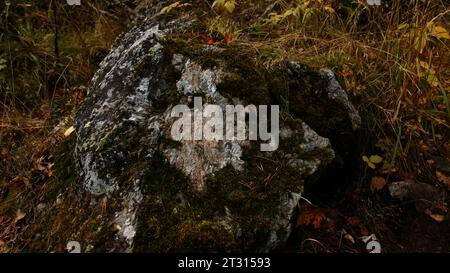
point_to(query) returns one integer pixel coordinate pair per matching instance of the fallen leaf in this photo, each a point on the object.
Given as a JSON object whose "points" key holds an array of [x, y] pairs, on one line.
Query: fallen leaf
{"points": [[19, 216], [437, 217], [356, 222], [311, 215], [228, 38], [69, 131], [377, 183], [329, 9], [349, 238], [376, 159], [318, 220], [443, 179], [439, 32], [210, 40], [230, 6], [363, 230]]}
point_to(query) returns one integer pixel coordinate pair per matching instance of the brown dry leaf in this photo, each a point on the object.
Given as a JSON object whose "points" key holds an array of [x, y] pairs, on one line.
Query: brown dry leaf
{"points": [[349, 238], [318, 219], [19, 216], [443, 179], [356, 222], [363, 230], [228, 38], [377, 183], [346, 72], [311, 215], [436, 217]]}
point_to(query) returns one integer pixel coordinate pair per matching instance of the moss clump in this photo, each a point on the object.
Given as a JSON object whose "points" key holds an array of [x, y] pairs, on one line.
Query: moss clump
{"points": [[172, 220]]}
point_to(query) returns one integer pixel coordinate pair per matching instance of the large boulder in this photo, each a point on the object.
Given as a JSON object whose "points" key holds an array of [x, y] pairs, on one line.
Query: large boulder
{"points": [[197, 195]]}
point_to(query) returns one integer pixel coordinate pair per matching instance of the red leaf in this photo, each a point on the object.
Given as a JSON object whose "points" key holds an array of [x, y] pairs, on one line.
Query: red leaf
{"points": [[311, 216], [210, 40], [228, 38]]}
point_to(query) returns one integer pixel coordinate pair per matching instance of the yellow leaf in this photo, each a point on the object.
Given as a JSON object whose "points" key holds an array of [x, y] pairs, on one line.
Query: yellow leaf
{"points": [[402, 26], [376, 159], [229, 6], [329, 9], [439, 32], [424, 65], [365, 159], [218, 3], [371, 165], [432, 80], [69, 131]]}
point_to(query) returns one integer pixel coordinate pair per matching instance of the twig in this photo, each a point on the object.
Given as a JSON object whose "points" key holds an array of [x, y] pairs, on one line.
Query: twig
{"points": [[56, 27], [267, 10]]}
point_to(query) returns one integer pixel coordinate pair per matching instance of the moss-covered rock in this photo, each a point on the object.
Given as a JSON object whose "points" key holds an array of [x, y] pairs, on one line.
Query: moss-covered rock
{"points": [[140, 190]]}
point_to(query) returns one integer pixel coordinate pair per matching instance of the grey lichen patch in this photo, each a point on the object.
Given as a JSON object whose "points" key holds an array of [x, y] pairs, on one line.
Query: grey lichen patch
{"points": [[335, 92], [310, 150], [198, 159], [125, 220]]}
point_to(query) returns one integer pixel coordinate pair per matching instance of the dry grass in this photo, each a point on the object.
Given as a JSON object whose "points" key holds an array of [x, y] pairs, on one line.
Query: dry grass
{"points": [[48, 54], [393, 60]]}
